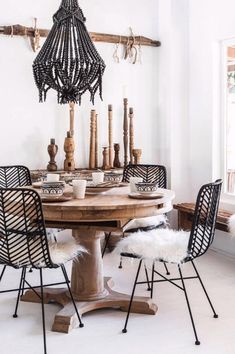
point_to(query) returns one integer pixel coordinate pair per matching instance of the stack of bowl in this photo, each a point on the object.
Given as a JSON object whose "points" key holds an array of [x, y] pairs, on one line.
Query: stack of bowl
{"points": [[53, 187]]}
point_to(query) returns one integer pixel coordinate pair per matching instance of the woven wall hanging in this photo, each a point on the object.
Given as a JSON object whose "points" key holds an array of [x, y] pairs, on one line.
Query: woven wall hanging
{"points": [[68, 61]]}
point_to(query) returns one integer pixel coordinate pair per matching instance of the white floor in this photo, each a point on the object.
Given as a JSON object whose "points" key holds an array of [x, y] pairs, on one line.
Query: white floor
{"points": [[168, 332]]}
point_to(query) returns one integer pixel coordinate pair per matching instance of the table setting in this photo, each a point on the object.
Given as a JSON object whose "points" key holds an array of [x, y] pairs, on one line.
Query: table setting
{"points": [[53, 189]]}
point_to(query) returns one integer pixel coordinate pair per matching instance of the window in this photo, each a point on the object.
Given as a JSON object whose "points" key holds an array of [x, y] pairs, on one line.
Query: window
{"points": [[229, 116]]}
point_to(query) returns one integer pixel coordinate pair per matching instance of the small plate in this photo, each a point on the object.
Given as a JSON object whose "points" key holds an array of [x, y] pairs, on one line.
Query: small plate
{"points": [[37, 184], [62, 198], [137, 195]]}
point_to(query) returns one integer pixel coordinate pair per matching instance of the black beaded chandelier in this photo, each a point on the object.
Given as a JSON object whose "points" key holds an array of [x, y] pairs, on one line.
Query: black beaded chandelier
{"points": [[68, 61]]}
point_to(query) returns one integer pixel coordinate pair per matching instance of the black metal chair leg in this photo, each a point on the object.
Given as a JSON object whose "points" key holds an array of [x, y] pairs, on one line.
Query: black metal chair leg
{"points": [[19, 292], [166, 268], [43, 313], [132, 296], [203, 287], [189, 308], [152, 279], [23, 282], [120, 264], [106, 243], [71, 295], [147, 278], [2, 273], [30, 270]]}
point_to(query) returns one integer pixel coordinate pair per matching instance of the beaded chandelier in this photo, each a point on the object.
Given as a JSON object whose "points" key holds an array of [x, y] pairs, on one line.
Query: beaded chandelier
{"points": [[68, 61]]}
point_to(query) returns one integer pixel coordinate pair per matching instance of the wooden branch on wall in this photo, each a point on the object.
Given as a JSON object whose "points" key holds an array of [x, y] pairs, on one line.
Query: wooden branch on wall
{"points": [[18, 30]]}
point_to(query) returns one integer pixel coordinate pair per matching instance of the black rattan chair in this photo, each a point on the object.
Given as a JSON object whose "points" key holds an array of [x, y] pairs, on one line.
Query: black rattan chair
{"points": [[149, 174], [24, 243], [13, 177], [197, 243]]}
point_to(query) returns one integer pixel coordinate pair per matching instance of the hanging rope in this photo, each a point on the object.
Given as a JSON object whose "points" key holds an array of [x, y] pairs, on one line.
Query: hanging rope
{"points": [[68, 61]]}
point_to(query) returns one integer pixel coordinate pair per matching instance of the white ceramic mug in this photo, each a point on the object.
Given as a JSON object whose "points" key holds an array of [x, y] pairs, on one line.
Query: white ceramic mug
{"points": [[97, 177], [79, 188], [53, 177], [133, 181]]}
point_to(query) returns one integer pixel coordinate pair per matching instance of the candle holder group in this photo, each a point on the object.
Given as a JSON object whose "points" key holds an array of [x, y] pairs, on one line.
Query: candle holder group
{"points": [[110, 153]]}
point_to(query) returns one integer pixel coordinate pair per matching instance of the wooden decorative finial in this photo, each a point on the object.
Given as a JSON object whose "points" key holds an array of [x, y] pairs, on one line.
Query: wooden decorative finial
{"points": [[52, 151], [96, 142], [131, 130], [137, 153], [105, 158], [110, 114], [69, 148], [116, 162], [92, 140], [125, 131], [71, 114]]}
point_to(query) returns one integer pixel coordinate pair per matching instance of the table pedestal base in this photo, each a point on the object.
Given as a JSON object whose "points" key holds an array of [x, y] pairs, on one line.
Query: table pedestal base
{"points": [[66, 319]]}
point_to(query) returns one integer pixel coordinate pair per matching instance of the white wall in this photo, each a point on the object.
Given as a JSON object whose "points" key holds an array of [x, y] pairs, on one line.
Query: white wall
{"points": [[189, 93], [173, 94], [27, 126]]}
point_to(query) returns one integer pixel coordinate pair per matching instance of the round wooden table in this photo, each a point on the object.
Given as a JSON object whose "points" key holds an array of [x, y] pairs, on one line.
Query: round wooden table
{"points": [[88, 219]]}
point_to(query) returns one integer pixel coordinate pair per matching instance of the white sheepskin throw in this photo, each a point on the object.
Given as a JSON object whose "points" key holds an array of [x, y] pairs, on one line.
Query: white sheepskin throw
{"points": [[62, 252], [163, 244], [148, 221], [231, 225]]}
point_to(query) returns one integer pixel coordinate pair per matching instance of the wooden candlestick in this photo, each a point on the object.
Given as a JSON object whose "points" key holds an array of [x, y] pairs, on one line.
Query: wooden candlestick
{"points": [[125, 131], [105, 158], [92, 140], [52, 151], [69, 148], [116, 162], [110, 114], [71, 113], [131, 132], [137, 153], [96, 142]]}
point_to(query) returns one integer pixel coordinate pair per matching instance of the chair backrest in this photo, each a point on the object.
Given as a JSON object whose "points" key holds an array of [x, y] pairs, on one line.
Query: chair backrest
{"points": [[14, 176], [23, 239], [204, 220], [149, 173]]}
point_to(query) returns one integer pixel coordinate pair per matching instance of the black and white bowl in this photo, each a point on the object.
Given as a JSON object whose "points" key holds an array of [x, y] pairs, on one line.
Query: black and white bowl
{"points": [[53, 189], [113, 177], [146, 188]]}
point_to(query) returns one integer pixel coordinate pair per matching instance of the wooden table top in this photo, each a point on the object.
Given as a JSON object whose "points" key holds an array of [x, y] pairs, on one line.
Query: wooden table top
{"points": [[112, 205], [115, 198]]}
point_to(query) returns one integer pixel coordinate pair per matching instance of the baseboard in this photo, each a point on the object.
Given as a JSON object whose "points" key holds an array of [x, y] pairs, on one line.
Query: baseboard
{"points": [[229, 255]]}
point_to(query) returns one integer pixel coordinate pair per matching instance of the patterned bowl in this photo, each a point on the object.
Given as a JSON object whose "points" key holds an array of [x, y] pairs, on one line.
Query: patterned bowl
{"points": [[113, 177], [146, 188], [53, 189]]}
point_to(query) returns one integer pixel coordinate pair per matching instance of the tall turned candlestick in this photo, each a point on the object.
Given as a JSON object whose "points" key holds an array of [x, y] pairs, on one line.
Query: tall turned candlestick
{"points": [[131, 130], [71, 113], [137, 153], [96, 142], [52, 151], [110, 114], [125, 131], [92, 140], [69, 148]]}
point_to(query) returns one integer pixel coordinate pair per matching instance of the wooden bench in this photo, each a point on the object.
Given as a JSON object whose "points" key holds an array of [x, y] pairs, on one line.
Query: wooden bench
{"points": [[185, 217]]}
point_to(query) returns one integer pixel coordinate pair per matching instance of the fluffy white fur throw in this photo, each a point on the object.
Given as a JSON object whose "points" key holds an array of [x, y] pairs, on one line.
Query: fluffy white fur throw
{"points": [[164, 244], [148, 221], [63, 252], [231, 225]]}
